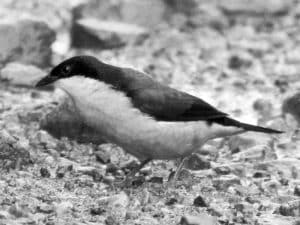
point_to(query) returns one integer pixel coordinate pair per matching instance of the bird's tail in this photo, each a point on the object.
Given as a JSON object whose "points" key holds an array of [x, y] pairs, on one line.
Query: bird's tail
{"points": [[248, 127]]}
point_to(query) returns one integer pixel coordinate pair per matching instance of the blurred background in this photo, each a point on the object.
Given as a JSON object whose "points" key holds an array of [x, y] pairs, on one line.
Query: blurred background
{"points": [[242, 56]]}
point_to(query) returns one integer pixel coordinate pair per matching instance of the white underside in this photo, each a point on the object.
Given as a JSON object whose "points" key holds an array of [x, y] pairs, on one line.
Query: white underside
{"points": [[111, 113]]}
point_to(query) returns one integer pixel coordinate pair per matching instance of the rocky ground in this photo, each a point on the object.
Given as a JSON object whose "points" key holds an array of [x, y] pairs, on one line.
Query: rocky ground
{"points": [[241, 56]]}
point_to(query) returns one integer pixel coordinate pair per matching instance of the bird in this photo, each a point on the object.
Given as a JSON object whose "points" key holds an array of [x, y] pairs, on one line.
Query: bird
{"points": [[146, 118]]}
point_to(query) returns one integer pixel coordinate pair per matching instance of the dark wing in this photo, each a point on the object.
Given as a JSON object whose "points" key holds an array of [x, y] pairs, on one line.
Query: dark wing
{"points": [[165, 103]]}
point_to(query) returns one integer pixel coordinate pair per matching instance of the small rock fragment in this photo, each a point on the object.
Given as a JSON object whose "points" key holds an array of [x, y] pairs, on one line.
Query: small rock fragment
{"points": [[199, 202], [238, 143], [62, 170], [256, 7], [45, 208], [297, 191], [202, 219], [291, 105], [171, 201], [196, 162], [157, 180], [120, 199], [63, 208], [64, 121], [97, 211], [224, 182], [102, 157], [110, 34], [290, 209], [237, 62], [27, 41], [264, 107], [45, 172], [17, 211], [117, 207], [12, 154], [222, 170], [21, 75]]}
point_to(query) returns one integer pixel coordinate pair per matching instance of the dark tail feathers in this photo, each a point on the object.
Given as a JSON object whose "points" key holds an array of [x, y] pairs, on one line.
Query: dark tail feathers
{"points": [[231, 122]]}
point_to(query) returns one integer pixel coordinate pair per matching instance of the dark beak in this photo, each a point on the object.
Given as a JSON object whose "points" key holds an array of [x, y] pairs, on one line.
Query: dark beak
{"points": [[46, 80]]}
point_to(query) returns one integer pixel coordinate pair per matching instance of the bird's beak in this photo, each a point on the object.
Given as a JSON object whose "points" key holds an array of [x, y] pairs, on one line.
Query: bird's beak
{"points": [[46, 80]]}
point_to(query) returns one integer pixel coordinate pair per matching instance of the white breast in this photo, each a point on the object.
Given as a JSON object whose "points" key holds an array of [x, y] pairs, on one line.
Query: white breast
{"points": [[111, 113]]}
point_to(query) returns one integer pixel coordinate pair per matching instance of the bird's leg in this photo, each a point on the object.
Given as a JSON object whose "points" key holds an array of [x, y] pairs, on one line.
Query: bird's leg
{"points": [[173, 179]]}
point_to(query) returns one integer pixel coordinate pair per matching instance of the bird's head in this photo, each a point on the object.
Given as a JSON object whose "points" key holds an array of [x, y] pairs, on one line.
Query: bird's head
{"points": [[87, 66]]}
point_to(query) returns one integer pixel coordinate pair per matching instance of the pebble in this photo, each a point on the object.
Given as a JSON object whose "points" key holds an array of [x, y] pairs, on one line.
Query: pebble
{"points": [[63, 208], [45, 172], [199, 202], [224, 182], [196, 162], [201, 219]]}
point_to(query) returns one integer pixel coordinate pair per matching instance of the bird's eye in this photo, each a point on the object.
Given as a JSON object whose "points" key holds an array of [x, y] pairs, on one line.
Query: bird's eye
{"points": [[66, 69]]}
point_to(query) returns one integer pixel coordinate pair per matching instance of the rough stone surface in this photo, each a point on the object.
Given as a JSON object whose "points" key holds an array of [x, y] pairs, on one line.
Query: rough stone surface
{"points": [[26, 41], [21, 75], [291, 105], [102, 24], [196, 162], [107, 34], [143, 12], [188, 7], [202, 219], [12, 153], [64, 121], [256, 7]]}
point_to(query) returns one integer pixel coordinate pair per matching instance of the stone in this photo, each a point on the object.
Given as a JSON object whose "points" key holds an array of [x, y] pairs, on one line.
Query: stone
{"points": [[64, 121], [117, 208], [27, 41], [45, 208], [145, 13], [208, 15], [62, 170], [201, 219], [157, 180], [297, 191], [63, 208], [4, 215], [188, 7], [104, 24], [21, 75], [290, 209], [238, 61], [273, 219], [97, 211], [291, 105], [264, 107], [102, 156], [222, 170], [256, 153], [12, 154], [199, 202], [255, 7], [17, 211], [119, 200], [238, 143], [196, 162], [45, 172], [171, 201], [110, 34], [224, 182]]}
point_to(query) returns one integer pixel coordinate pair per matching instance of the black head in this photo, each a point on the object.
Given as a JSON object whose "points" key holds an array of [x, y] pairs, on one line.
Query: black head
{"points": [[87, 66]]}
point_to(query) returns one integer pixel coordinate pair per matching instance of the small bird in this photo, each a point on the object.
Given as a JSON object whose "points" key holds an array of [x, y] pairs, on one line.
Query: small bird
{"points": [[147, 119]]}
